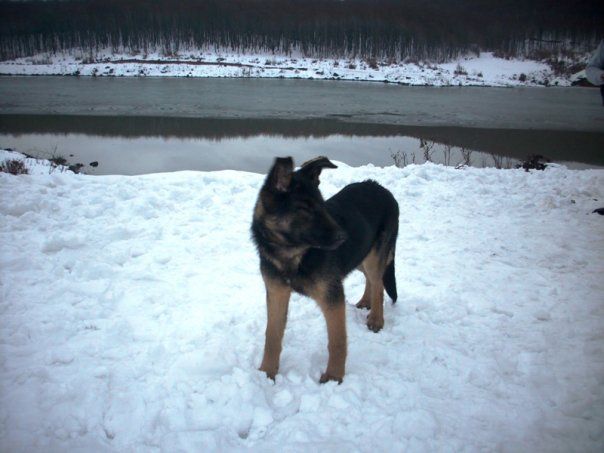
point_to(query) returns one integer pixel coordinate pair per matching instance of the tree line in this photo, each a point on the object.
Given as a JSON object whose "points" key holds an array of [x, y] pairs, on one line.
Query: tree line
{"points": [[435, 30]]}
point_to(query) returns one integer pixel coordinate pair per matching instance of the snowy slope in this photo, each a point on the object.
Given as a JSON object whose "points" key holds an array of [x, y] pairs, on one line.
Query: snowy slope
{"points": [[483, 70], [33, 165], [132, 318]]}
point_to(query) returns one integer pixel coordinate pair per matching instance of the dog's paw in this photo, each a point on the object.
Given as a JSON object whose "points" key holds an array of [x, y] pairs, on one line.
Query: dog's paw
{"points": [[375, 323], [363, 304], [269, 373], [325, 377]]}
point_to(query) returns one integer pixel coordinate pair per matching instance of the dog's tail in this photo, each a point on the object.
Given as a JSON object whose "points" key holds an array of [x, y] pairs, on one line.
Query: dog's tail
{"points": [[390, 281]]}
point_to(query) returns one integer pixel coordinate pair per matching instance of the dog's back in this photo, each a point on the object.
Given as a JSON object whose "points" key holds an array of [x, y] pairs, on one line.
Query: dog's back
{"points": [[369, 215]]}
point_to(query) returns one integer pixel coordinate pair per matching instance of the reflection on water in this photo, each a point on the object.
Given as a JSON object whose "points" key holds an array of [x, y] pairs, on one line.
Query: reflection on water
{"points": [[136, 145], [118, 155]]}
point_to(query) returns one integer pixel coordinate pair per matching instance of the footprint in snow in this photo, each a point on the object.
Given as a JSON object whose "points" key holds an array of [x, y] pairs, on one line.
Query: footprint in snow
{"points": [[58, 243], [162, 259]]}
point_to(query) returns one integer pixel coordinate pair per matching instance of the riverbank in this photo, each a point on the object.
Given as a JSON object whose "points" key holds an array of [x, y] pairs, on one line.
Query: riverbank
{"points": [[483, 70]]}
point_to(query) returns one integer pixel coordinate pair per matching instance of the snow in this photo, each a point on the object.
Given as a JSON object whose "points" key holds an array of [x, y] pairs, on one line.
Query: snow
{"points": [[133, 315], [483, 70], [34, 165]]}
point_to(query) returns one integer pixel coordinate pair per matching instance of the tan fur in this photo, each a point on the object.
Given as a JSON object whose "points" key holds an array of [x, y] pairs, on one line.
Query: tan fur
{"points": [[277, 302], [286, 259], [365, 301], [259, 209], [291, 217], [373, 297], [334, 312]]}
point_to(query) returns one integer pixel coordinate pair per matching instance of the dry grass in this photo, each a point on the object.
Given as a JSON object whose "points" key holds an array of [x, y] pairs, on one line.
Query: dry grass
{"points": [[14, 167]]}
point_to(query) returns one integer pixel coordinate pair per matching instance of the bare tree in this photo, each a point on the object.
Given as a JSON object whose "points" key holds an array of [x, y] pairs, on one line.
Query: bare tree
{"points": [[427, 147], [401, 159], [466, 158], [502, 162], [377, 31]]}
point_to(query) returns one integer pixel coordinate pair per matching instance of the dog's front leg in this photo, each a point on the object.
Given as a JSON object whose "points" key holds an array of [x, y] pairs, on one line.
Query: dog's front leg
{"points": [[277, 302], [334, 309]]}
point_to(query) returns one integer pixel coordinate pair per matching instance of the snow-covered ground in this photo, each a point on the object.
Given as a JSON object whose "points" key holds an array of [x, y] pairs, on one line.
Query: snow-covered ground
{"points": [[483, 70], [132, 318], [34, 166]]}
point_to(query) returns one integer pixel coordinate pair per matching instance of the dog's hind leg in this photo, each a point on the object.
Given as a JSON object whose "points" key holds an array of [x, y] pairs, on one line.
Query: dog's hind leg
{"points": [[365, 301], [277, 301], [374, 271]]}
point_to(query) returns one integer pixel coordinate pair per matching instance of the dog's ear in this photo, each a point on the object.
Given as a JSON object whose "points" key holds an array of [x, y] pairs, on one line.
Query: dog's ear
{"points": [[280, 176], [312, 168]]}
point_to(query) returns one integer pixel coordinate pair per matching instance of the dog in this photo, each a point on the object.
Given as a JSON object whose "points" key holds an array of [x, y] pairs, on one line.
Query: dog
{"points": [[309, 245]]}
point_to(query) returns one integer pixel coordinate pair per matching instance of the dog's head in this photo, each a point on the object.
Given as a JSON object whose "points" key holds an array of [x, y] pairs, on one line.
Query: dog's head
{"points": [[292, 209]]}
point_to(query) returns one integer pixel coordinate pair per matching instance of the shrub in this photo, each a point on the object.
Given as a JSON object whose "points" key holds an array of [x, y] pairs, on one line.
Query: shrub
{"points": [[506, 54], [401, 159], [460, 70], [372, 63], [534, 162], [565, 68], [58, 160], [14, 167], [75, 167], [501, 162]]}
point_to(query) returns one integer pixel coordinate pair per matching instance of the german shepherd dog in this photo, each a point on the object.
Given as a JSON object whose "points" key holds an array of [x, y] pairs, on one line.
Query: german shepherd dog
{"points": [[309, 245]]}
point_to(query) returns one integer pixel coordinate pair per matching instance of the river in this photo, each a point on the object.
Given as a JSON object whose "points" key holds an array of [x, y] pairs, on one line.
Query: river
{"points": [[143, 125]]}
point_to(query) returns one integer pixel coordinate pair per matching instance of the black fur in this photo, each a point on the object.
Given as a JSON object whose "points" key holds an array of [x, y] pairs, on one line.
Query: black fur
{"points": [[309, 245], [328, 239], [390, 282]]}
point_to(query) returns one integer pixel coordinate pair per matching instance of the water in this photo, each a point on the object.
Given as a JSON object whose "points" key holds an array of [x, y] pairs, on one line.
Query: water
{"points": [[134, 126]]}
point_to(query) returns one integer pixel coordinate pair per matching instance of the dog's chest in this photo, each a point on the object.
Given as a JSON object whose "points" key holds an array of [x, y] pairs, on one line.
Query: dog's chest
{"points": [[307, 282], [299, 284]]}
